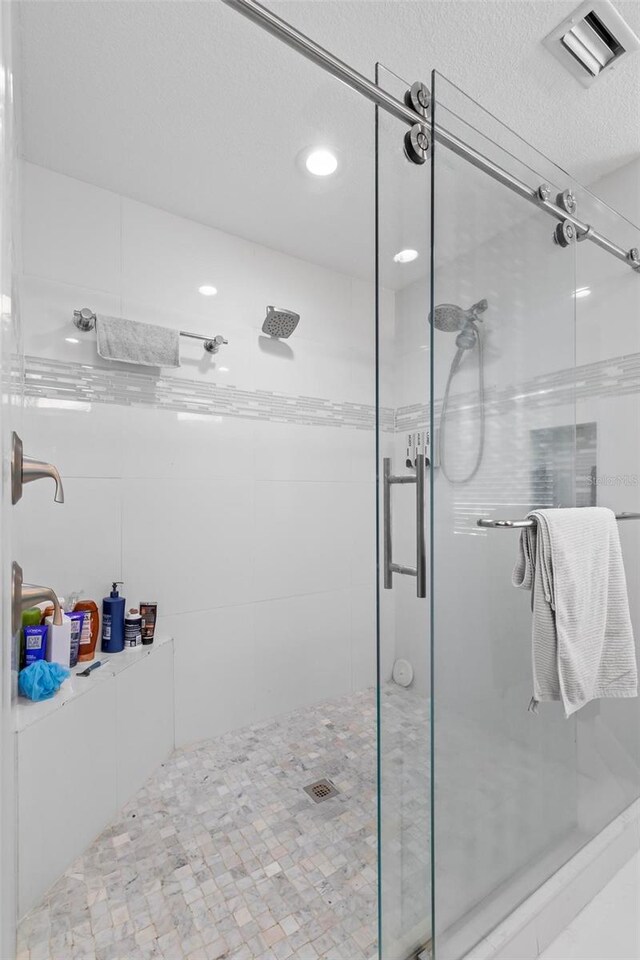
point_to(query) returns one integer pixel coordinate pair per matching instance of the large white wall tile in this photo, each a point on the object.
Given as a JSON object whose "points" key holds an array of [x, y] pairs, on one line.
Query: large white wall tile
{"points": [[308, 368], [302, 650], [46, 308], [302, 538], [170, 444], [70, 230], [215, 671], [286, 451], [82, 439], [165, 259], [75, 546], [187, 543]]}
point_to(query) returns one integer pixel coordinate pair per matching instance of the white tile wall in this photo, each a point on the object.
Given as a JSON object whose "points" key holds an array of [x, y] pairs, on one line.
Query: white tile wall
{"points": [[71, 231], [255, 537], [75, 546], [215, 670]]}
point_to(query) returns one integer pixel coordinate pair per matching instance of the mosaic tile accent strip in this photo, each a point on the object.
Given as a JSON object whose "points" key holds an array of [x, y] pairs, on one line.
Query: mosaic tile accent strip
{"points": [[79, 382], [55, 379], [616, 376]]}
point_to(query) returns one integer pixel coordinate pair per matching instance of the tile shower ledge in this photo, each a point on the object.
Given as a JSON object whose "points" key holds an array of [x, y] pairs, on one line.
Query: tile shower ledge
{"points": [[27, 712]]}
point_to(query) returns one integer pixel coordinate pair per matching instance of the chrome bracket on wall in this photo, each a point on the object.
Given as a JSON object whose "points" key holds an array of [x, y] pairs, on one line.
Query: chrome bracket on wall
{"points": [[419, 571], [417, 140]]}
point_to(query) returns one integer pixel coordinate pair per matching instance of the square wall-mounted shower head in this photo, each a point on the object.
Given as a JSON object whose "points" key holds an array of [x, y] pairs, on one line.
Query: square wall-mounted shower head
{"points": [[592, 40], [280, 323]]}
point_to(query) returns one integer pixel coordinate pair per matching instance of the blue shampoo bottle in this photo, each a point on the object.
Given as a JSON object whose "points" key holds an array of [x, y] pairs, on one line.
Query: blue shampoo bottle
{"points": [[113, 621]]}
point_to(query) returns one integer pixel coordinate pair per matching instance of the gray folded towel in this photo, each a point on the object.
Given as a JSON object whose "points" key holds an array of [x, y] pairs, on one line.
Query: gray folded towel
{"points": [[132, 342], [582, 636]]}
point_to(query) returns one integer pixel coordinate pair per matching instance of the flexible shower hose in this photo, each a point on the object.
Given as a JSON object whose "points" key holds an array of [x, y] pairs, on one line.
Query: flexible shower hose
{"points": [[455, 363]]}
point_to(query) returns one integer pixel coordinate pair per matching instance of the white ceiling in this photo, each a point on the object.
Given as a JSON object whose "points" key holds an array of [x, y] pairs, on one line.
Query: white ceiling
{"points": [[189, 107]]}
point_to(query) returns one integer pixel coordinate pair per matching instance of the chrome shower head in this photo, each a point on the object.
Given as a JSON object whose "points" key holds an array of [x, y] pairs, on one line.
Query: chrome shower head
{"points": [[280, 323], [449, 317]]}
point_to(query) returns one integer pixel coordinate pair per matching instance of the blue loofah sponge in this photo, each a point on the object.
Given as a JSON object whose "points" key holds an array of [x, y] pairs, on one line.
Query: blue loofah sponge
{"points": [[40, 680]]}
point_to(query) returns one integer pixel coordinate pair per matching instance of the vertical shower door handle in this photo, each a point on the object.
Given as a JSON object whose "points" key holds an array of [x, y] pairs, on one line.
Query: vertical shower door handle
{"points": [[420, 569]]}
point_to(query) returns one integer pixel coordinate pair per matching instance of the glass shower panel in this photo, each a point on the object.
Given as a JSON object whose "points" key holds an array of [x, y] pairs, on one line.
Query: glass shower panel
{"points": [[505, 784], [403, 360], [607, 395]]}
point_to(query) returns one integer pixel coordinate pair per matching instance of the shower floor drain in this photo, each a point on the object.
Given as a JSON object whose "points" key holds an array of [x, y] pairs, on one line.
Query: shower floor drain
{"points": [[321, 790]]}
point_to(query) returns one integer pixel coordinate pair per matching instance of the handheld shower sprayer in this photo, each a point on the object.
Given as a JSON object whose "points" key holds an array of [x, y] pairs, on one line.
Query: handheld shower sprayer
{"points": [[450, 318]]}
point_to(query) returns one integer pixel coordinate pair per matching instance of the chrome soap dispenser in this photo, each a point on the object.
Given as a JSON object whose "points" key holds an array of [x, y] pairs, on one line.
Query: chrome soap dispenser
{"points": [[113, 621]]}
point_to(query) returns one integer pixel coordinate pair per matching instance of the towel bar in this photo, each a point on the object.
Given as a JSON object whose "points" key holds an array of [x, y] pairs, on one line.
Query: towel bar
{"points": [[530, 522], [85, 319]]}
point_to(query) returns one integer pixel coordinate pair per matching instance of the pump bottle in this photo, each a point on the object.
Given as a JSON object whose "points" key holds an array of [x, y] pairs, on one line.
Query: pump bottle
{"points": [[113, 621]]}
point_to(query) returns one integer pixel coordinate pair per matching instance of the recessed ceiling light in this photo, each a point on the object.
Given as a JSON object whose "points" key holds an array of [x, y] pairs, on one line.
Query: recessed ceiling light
{"points": [[321, 162], [207, 290], [71, 340], [406, 256], [223, 369], [582, 292]]}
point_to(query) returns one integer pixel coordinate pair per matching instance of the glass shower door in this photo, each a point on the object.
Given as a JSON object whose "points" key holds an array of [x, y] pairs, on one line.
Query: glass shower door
{"points": [[506, 781], [499, 379], [403, 362]]}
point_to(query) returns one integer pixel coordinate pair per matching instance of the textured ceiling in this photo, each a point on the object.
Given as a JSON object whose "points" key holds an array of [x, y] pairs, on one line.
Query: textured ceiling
{"points": [[187, 106]]}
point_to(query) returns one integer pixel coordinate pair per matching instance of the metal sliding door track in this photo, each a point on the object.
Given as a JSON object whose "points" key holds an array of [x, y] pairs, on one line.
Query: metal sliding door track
{"points": [[367, 88]]}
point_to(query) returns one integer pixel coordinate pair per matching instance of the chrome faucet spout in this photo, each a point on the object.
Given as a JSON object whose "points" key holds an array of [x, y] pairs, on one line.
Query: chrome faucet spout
{"points": [[25, 469], [24, 595], [37, 469], [32, 594]]}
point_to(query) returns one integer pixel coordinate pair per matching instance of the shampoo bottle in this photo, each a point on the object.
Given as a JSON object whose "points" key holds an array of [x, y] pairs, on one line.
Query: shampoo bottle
{"points": [[113, 621], [90, 629]]}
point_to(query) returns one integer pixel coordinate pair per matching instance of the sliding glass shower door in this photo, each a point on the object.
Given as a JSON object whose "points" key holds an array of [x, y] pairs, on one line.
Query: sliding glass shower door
{"points": [[499, 379]]}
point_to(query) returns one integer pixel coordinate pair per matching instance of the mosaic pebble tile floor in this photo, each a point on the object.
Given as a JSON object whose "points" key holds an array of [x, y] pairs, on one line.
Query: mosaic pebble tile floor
{"points": [[222, 854]]}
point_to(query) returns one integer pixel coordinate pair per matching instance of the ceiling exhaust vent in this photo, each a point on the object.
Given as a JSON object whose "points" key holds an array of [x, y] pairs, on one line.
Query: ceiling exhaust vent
{"points": [[593, 39]]}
